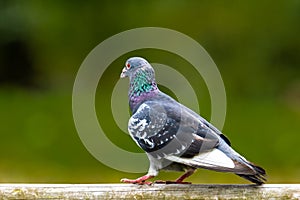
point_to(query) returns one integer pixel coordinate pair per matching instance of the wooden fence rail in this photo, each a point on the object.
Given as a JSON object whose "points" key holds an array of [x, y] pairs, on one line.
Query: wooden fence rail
{"points": [[156, 191]]}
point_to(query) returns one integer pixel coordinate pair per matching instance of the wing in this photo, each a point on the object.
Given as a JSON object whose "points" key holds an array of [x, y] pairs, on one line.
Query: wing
{"points": [[209, 125], [166, 128], [153, 129]]}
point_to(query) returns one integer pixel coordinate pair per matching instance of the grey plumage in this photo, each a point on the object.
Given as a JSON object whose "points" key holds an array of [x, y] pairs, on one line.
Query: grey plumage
{"points": [[173, 136]]}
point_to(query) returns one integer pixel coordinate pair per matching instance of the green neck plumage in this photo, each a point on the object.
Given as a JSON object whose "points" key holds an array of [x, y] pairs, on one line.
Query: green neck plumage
{"points": [[142, 82]]}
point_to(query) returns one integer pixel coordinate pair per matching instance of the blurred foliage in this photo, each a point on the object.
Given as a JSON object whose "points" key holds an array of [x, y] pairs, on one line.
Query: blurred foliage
{"points": [[255, 44]]}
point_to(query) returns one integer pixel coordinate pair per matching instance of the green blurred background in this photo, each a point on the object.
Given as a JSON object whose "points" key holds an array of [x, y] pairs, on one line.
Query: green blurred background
{"points": [[255, 44]]}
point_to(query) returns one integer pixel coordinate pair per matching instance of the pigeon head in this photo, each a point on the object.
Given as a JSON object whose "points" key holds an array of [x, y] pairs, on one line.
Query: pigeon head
{"points": [[135, 66]]}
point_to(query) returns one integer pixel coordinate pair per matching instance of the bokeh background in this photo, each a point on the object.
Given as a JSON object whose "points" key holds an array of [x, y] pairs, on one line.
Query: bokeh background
{"points": [[255, 44]]}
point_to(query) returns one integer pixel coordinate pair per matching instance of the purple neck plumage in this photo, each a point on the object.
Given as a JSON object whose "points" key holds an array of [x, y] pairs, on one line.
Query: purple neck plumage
{"points": [[142, 86]]}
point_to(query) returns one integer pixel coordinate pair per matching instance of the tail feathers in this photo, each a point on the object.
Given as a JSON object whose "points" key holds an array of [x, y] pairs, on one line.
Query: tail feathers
{"points": [[259, 177]]}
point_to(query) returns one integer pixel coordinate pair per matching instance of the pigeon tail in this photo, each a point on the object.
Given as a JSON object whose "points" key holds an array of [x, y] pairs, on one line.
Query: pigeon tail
{"points": [[245, 168], [259, 176]]}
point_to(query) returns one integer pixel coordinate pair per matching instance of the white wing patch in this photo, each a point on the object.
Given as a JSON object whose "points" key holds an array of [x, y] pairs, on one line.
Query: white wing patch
{"points": [[136, 125], [214, 158], [151, 144]]}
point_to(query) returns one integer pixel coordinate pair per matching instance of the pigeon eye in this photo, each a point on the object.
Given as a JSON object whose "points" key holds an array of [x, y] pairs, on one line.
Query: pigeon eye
{"points": [[128, 66]]}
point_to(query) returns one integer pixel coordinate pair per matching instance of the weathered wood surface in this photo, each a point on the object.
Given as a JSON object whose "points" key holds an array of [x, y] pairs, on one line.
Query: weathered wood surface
{"points": [[156, 191]]}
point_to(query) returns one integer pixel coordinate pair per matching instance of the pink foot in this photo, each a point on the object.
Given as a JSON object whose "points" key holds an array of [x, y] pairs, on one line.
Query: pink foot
{"points": [[135, 181], [140, 181]]}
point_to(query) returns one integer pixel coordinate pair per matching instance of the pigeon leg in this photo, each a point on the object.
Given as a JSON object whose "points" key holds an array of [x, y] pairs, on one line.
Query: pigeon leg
{"points": [[140, 180], [185, 175], [180, 179]]}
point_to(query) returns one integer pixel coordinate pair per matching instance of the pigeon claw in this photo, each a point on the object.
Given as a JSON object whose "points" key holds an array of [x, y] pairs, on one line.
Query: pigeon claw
{"points": [[139, 181], [135, 181]]}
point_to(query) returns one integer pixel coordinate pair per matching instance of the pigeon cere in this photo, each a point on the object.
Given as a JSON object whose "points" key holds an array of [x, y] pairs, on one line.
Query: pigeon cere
{"points": [[173, 136]]}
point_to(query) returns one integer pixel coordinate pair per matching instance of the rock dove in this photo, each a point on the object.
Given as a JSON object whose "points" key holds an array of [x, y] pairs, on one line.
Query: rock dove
{"points": [[175, 137]]}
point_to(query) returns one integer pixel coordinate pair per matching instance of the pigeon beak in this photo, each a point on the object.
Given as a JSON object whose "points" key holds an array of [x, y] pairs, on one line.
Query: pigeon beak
{"points": [[123, 74]]}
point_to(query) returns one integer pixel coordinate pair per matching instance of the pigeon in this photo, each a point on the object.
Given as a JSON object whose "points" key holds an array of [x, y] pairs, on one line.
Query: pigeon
{"points": [[173, 136]]}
